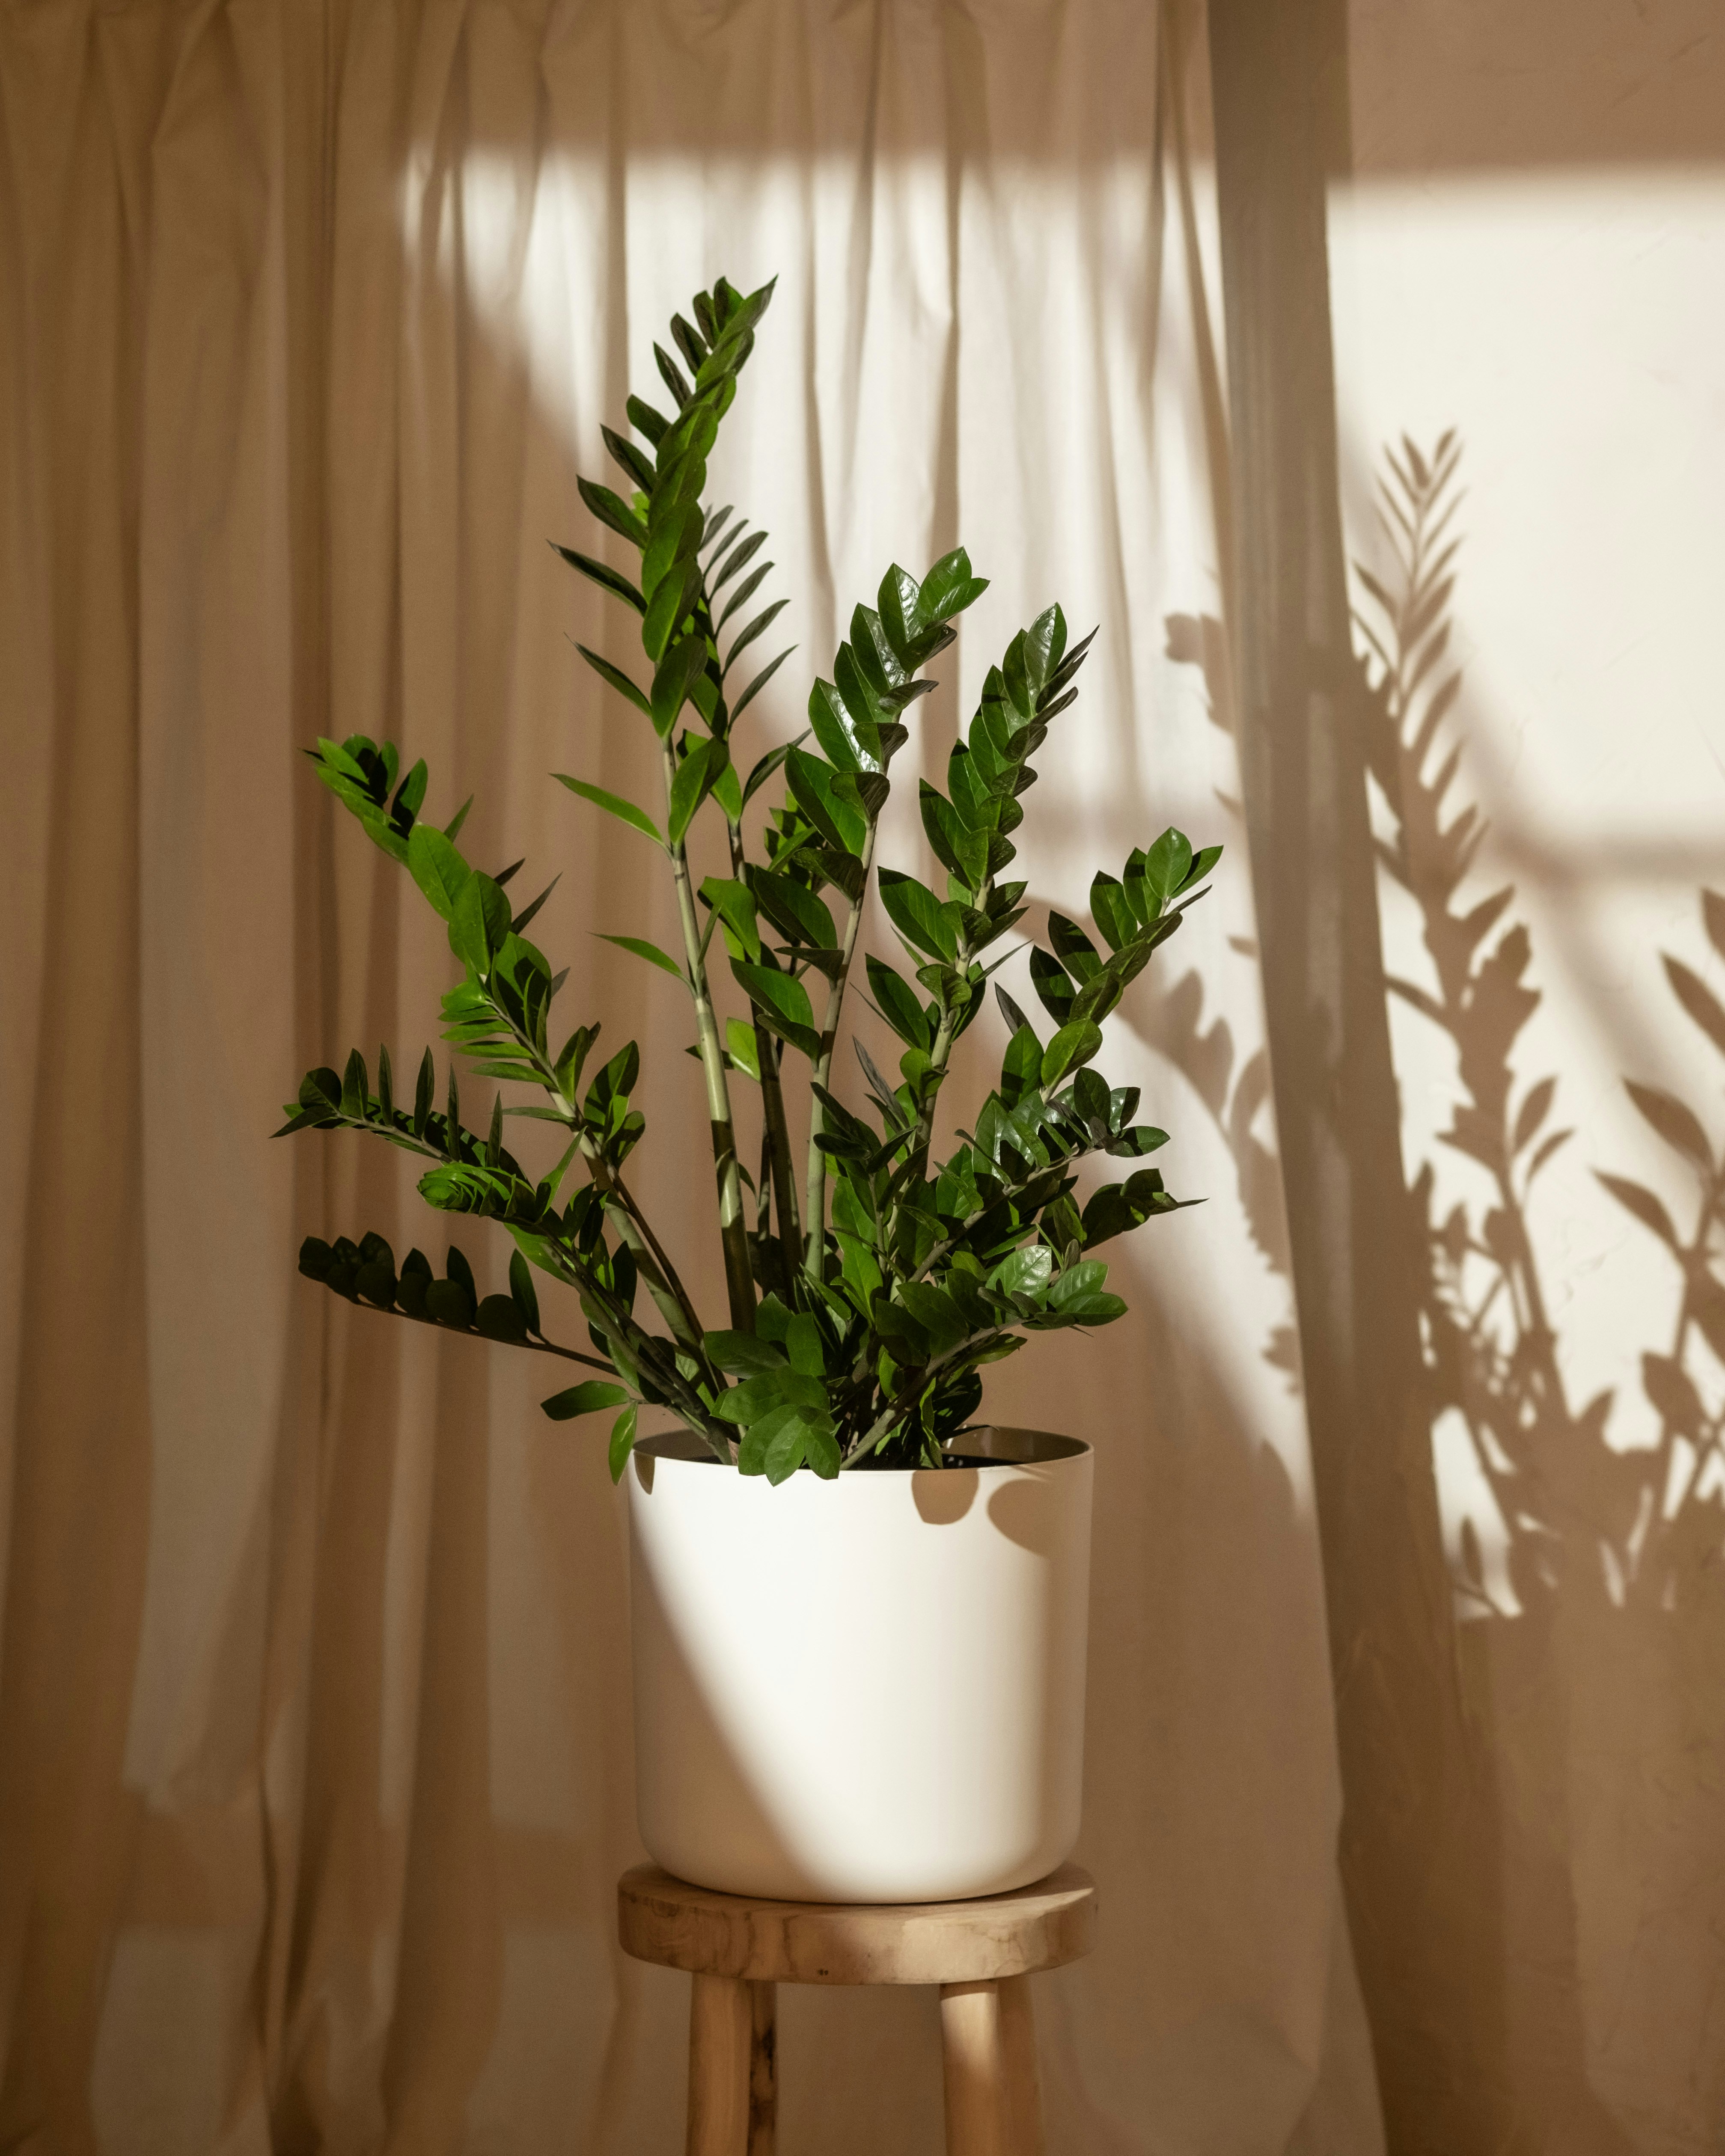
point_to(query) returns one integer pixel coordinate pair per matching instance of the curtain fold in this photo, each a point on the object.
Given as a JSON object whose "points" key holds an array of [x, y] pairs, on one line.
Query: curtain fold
{"points": [[314, 1773]]}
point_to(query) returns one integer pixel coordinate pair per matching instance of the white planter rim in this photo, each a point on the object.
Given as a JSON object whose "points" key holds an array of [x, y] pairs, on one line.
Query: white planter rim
{"points": [[994, 1445]]}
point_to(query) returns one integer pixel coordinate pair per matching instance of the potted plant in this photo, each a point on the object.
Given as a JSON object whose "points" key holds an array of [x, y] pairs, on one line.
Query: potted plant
{"points": [[858, 1617]]}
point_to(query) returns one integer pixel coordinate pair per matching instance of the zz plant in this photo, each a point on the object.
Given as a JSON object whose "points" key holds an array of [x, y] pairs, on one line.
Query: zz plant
{"points": [[864, 1295]]}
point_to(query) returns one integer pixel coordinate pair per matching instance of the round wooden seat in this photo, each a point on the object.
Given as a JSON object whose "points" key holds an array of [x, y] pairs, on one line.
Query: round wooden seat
{"points": [[662, 1919], [979, 1953]]}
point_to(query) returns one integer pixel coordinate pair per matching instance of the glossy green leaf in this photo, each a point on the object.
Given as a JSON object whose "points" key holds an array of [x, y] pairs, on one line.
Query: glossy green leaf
{"points": [[1025, 1272], [743, 1048], [678, 671], [436, 867], [917, 914], [689, 787], [759, 683], [742, 1353], [614, 804], [610, 509], [585, 1399], [651, 951], [521, 1287], [899, 1004], [623, 1442], [1073, 1044], [607, 579], [617, 679], [777, 995]]}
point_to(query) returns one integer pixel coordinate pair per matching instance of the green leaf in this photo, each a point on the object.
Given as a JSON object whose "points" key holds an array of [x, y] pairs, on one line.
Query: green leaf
{"points": [[794, 910], [782, 1000], [611, 510], [734, 903], [761, 623], [743, 1048], [810, 782], [1073, 1044], [848, 736], [1092, 1310], [614, 804], [1025, 1272], [759, 683], [744, 1354], [693, 783], [961, 851], [623, 1442], [643, 418], [1052, 983], [498, 1318], [617, 680], [787, 1448], [765, 768], [587, 1399], [521, 1287], [900, 1005], [450, 1302], [1167, 864], [481, 922], [677, 673], [1112, 911], [1074, 949], [651, 951], [638, 468], [948, 589], [1021, 1070], [935, 1312], [436, 867], [917, 914], [802, 1347], [425, 1093], [671, 603], [607, 579]]}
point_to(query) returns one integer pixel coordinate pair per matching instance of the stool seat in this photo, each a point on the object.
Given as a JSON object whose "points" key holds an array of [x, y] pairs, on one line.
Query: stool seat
{"points": [[665, 1920], [737, 1947]]}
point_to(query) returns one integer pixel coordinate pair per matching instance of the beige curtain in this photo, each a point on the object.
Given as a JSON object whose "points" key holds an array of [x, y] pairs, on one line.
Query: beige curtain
{"points": [[314, 1774], [315, 1768]]}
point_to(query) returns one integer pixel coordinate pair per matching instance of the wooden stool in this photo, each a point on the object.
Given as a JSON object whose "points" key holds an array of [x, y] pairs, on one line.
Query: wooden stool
{"points": [[980, 1953]]}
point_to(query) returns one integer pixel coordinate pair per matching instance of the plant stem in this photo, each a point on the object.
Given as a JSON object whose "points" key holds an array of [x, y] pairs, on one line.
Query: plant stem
{"points": [[536, 1346], [653, 1263], [772, 1115], [814, 1247], [933, 1079], [733, 1228], [895, 1407]]}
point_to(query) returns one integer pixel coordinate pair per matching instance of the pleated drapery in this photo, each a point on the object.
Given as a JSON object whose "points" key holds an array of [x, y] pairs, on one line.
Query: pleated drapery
{"points": [[1402, 1776], [314, 1758]]}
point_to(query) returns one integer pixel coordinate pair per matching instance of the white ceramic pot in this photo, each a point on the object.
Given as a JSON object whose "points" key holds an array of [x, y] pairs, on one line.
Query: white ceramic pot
{"points": [[865, 1689]]}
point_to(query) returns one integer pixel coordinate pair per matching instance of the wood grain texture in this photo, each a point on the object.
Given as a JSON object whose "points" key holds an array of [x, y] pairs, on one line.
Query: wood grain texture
{"points": [[720, 2043], [763, 2071], [988, 2064], [664, 1920], [1018, 2054]]}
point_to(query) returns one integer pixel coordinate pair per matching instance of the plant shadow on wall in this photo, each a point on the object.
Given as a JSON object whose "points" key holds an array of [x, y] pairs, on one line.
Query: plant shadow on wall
{"points": [[1640, 1527], [1589, 1694]]}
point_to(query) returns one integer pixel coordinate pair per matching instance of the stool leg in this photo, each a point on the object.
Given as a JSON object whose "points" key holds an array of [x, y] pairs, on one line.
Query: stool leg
{"points": [[763, 2071], [988, 2049], [721, 2040], [1018, 2045]]}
